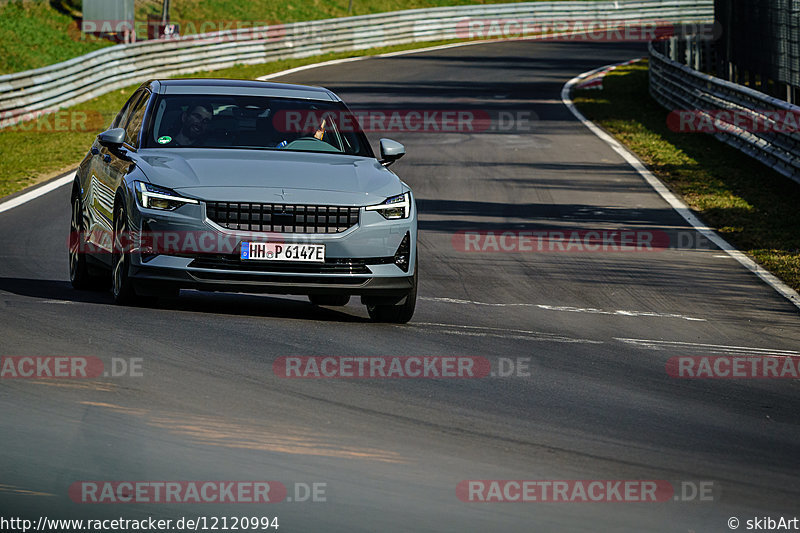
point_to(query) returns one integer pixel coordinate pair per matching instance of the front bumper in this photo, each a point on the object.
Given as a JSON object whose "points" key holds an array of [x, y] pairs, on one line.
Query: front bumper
{"points": [[154, 278], [359, 261]]}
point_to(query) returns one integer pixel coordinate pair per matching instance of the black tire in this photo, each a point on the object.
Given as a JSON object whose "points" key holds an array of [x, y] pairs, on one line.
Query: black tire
{"points": [[400, 313], [79, 274], [121, 284], [332, 300]]}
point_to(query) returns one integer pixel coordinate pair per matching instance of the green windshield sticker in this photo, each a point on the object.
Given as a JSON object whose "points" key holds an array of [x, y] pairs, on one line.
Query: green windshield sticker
{"points": [[164, 140]]}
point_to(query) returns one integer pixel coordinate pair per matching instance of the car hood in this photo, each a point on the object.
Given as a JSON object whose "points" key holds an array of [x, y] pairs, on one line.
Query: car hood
{"points": [[270, 176]]}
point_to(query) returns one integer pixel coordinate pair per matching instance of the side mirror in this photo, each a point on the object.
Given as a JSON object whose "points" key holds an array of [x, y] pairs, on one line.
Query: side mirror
{"points": [[113, 138], [391, 151]]}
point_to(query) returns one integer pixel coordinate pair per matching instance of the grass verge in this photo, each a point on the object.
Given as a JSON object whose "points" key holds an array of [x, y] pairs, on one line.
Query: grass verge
{"points": [[751, 206]]}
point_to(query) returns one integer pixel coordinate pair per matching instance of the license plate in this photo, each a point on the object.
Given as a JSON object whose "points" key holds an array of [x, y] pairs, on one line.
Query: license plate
{"points": [[272, 251]]}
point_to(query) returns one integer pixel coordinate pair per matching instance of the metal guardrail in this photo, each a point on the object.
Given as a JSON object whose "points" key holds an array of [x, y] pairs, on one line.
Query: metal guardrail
{"points": [[85, 77], [679, 87]]}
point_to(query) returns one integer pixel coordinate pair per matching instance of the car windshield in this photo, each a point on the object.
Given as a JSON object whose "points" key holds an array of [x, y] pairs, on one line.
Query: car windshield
{"points": [[254, 122]]}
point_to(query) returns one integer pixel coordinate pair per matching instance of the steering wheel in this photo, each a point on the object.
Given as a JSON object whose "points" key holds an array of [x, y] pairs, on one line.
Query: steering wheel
{"points": [[311, 143]]}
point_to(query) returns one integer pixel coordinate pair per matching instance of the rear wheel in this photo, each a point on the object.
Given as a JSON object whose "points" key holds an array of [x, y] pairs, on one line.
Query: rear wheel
{"points": [[399, 313], [332, 300], [79, 274]]}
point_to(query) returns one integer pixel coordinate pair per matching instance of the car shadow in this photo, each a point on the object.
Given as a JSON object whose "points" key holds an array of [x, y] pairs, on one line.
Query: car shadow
{"points": [[254, 305]]}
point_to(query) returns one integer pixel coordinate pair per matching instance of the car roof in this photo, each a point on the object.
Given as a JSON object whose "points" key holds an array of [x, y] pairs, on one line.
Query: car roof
{"points": [[222, 86]]}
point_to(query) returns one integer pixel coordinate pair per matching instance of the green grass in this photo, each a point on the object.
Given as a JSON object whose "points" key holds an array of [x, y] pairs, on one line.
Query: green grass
{"points": [[36, 33], [285, 11], [751, 206], [37, 150]]}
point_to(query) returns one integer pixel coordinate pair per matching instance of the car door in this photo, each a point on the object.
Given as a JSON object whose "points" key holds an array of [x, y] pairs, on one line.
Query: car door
{"points": [[109, 168]]}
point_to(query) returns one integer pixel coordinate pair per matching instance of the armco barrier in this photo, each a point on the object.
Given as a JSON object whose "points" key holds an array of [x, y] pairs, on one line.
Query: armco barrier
{"points": [[678, 87], [99, 72]]}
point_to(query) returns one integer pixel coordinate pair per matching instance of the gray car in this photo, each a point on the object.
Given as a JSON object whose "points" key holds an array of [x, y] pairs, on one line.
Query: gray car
{"points": [[243, 186]]}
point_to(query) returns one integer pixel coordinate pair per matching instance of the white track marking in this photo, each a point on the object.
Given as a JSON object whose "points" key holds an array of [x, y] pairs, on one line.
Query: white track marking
{"points": [[361, 58], [310, 66], [676, 203], [470, 302], [37, 192], [507, 333], [619, 312], [701, 347], [410, 51], [569, 309]]}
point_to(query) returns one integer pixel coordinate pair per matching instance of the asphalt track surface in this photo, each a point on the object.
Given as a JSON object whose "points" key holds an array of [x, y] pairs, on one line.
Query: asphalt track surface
{"points": [[598, 329]]}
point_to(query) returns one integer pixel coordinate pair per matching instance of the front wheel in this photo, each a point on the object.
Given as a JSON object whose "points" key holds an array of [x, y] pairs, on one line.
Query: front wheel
{"points": [[400, 313], [121, 283]]}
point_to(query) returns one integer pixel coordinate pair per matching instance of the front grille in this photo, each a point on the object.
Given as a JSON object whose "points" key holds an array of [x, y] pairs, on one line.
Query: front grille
{"points": [[282, 218]]}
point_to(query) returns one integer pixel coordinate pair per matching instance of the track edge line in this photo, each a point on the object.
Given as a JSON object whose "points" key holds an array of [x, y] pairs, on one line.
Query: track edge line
{"points": [[32, 193], [676, 203]]}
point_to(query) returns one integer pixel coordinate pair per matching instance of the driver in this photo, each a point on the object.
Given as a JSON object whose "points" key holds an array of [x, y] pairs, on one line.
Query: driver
{"points": [[194, 124]]}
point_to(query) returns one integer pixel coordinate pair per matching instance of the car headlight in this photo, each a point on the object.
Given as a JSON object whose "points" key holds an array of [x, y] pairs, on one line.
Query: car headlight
{"points": [[155, 197], [395, 207]]}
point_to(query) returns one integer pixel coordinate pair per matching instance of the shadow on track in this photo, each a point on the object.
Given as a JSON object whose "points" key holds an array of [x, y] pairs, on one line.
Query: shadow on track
{"points": [[535, 213], [191, 301]]}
